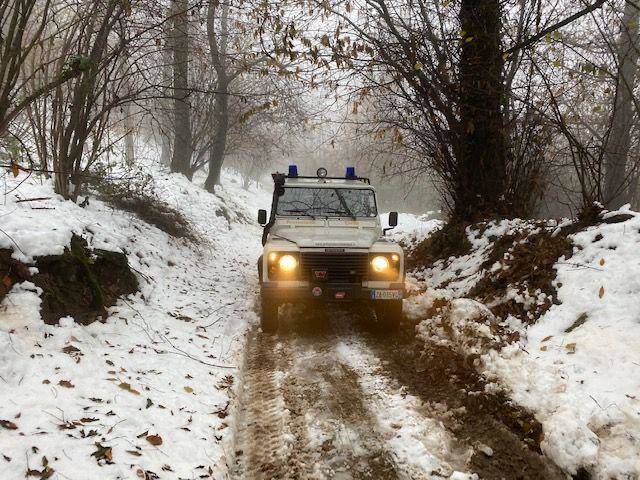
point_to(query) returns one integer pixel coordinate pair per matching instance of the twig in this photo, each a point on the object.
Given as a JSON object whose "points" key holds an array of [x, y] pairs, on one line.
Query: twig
{"points": [[178, 351], [37, 199], [14, 242]]}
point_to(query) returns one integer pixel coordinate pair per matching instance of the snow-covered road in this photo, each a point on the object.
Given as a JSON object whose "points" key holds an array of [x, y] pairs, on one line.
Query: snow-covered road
{"points": [[326, 398]]}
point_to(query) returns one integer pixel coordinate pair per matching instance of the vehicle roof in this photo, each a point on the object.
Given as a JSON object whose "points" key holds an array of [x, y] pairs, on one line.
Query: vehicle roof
{"points": [[326, 183]]}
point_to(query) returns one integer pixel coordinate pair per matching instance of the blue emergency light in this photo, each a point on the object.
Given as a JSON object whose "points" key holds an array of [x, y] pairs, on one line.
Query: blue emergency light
{"points": [[351, 172], [293, 170]]}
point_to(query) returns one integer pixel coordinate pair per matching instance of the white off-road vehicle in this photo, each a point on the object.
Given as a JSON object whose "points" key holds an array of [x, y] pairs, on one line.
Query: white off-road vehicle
{"points": [[324, 242]]}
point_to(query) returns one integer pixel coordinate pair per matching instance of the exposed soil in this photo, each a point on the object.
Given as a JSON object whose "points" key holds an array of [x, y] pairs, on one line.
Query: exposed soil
{"points": [[11, 271], [529, 267], [293, 384], [450, 240], [443, 377], [303, 413], [81, 283]]}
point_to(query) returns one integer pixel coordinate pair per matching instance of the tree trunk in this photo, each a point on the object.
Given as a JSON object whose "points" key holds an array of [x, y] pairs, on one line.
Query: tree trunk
{"points": [[183, 142], [481, 149], [129, 136], [219, 144], [218, 50], [619, 139], [165, 105]]}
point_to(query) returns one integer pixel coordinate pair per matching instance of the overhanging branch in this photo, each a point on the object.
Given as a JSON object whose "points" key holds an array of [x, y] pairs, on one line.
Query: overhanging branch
{"points": [[556, 26]]}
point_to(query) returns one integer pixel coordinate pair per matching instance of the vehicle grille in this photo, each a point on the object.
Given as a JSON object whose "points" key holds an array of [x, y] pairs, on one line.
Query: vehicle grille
{"points": [[340, 267]]}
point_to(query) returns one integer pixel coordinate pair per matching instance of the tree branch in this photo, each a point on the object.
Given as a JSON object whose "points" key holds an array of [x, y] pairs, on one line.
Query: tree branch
{"points": [[543, 33]]}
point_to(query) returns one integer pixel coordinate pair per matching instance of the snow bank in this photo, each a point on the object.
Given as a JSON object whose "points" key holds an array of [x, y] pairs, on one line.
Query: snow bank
{"points": [[150, 392], [412, 229], [576, 367]]}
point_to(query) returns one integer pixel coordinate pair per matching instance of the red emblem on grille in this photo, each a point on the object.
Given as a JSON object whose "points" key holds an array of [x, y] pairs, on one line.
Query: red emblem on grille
{"points": [[320, 274]]}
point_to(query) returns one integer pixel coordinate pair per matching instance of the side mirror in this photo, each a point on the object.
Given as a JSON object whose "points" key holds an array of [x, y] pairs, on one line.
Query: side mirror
{"points": [[393, 219], [262, 217]]}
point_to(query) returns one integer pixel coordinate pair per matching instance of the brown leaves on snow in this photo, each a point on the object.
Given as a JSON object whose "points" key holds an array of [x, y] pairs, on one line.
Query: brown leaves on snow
{"points": [[103, 454], [46, 471], [8, 425], [129, 388], [155, 440]]}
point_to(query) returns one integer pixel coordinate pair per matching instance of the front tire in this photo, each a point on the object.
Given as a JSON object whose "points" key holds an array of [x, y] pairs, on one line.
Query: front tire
{"points": [[388, 314], [269, 317]]}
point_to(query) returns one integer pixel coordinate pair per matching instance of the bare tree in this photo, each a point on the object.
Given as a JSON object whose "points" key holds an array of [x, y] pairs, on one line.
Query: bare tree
{"points": [[23, 23], [618, 143], [180, 44]]}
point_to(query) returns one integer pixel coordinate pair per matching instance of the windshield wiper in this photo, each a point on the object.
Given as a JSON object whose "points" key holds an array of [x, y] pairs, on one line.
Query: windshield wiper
{"points": [[303, 212], [346, 208]]}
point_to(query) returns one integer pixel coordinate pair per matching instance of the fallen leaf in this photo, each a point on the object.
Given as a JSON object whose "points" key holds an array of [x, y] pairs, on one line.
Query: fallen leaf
{"points": [[154, 440], [601, 262], [66, 384], [8, 425], [69, 349], [103, 453], [570, 347], [546, 339], [188, 389], [543, 348], [601, 292], [128, 388], [149, 402], [134, 453]]}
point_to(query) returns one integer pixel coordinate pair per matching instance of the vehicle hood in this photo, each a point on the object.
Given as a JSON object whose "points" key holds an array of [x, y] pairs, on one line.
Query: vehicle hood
{"points": [[316, 236]]}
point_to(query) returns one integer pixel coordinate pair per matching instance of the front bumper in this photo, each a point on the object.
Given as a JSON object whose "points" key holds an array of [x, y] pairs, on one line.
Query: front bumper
{"points": [[329, 292]]}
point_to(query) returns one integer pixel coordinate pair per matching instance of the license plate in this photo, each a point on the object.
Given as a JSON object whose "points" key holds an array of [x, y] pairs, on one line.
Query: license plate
{"points": [[386, 294]]}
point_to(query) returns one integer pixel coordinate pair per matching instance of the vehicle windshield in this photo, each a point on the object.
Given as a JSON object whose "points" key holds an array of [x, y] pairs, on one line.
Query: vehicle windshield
{"points": [[327, 202]]}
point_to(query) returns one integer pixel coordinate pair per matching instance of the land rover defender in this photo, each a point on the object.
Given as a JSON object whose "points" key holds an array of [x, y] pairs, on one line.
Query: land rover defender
{"points": [[323, 241]]}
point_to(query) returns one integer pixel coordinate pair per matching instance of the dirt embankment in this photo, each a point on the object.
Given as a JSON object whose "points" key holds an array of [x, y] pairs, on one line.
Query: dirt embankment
{"points": [[81, 283]]}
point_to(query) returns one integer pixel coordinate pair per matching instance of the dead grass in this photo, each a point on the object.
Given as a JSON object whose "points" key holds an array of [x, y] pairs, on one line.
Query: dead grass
{"points": [[139, 198], [157, 213]]}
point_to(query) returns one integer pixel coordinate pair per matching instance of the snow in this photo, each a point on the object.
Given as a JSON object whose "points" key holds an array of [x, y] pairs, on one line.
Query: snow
{"points": [[412, 227], [419, 442], [584, 384], [163, 366], [577, 368]]}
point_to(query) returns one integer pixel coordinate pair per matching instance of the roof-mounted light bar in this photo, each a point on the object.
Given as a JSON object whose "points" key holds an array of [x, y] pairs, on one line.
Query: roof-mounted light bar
{"points": [[321, 173]]}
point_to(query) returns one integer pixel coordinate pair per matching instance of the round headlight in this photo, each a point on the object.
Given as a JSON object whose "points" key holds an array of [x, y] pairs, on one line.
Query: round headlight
{"points": [[288, 263], [321, 172], [380, 264]]}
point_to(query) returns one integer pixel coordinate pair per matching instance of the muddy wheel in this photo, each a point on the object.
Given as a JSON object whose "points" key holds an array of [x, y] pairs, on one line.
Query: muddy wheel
{"points": [[269, 318], [388, 314]]}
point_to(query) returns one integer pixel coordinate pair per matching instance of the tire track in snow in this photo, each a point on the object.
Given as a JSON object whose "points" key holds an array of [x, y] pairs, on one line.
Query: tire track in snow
{"points": [[302, 413], [456, 395], [423, 446]]}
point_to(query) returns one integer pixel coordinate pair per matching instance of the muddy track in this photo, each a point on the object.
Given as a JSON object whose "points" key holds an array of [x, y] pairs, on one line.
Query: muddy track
{"points": [[444, 379], [303, 413]]}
